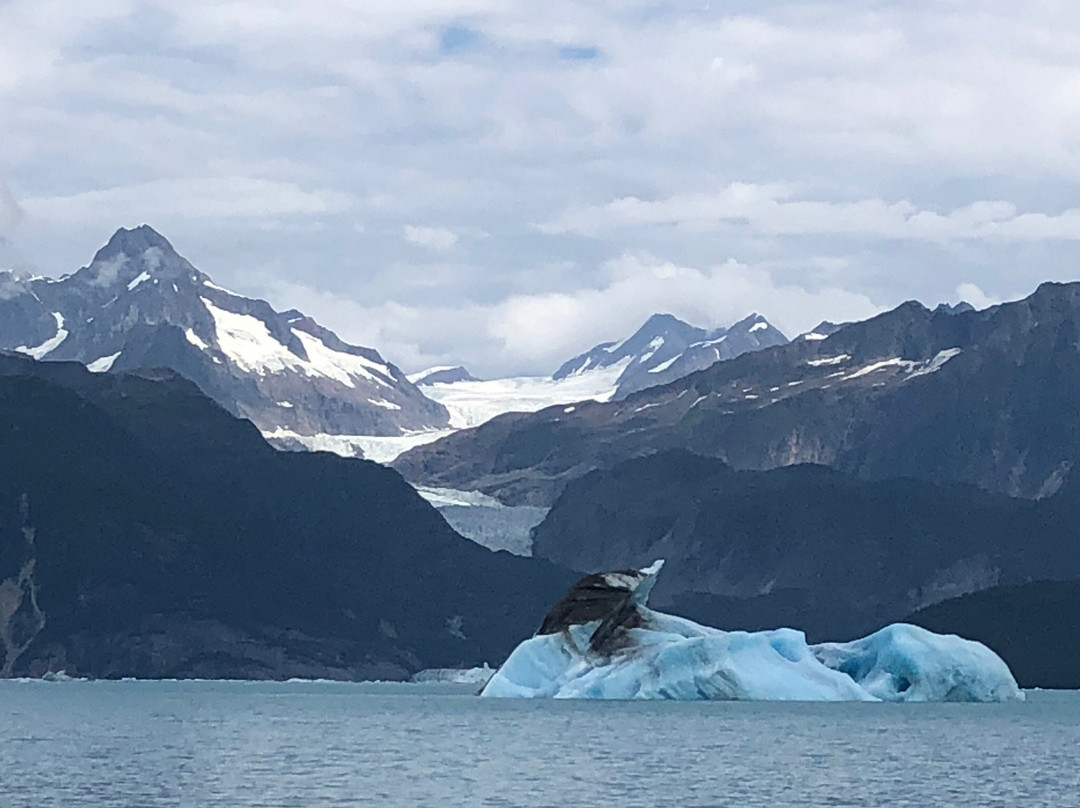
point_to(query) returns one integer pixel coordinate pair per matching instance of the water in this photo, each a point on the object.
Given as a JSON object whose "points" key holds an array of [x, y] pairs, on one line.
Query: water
{"points": [[319, 744]]}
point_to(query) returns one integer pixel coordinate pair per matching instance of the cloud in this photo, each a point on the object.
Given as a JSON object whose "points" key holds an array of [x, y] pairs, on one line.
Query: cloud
{"points": [[970, 293], [10, 211], [211, 197], [856, 152], [440, 239], [772, 210], [535, 333]]}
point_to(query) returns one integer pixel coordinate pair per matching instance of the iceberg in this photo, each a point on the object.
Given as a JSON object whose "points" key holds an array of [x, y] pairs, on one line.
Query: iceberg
{"points": [[601, 641]]}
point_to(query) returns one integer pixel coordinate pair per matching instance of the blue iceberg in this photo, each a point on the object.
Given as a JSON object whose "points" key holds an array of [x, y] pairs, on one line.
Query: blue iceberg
{"points": [[602, 642]]}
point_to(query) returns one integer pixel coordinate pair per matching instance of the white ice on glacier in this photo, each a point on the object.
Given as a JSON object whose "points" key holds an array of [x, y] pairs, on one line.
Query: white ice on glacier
{"points": [[659, 656]]}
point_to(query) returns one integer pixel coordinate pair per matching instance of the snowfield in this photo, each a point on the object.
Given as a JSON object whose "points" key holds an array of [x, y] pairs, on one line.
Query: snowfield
{"points": [[371, 447], [473, 403]]}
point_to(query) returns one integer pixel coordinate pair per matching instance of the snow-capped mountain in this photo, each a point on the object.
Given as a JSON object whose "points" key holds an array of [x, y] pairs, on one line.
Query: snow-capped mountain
{"points": [[141, 305], [983, 397], [666, 348], [662, 350]]}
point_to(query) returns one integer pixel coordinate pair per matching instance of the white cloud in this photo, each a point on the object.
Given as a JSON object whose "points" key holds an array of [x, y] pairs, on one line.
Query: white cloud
{"points": [[536, 333], [211, 197], [970, 293], [835, 148], [440, 239], [772, 210], [10, 211]]}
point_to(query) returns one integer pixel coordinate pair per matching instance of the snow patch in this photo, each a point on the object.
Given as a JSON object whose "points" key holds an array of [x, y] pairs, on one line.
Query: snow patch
{"points": [[828, 360], [103, 364], [937, 362], [211, 285], [654, 346], [342, 367], [759, 326], [665, 365], [247, 342], [895, 362], [141, 278], [49, 345], [193, 338]]}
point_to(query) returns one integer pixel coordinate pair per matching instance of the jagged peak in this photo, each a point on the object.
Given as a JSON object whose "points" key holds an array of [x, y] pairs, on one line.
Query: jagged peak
{"points": [[139, 252], [663, 319], [960, 308], [134, 242]]}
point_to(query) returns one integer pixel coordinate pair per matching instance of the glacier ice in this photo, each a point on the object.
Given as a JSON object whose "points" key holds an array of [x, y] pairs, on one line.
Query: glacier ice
{"points": [[602, 642]]}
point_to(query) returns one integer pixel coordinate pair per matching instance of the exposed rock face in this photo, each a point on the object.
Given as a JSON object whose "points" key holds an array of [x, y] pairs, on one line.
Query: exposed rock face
{"points": [[146, 532], [981, 397], [141, 305], [806, 547], [21, 618], [665, 348], [442, 375]]}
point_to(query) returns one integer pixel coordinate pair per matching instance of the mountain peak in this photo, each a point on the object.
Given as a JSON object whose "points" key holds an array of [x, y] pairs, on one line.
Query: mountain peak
{"points": [[443, 374], [664, 319], [134, 242], [140, 252]]}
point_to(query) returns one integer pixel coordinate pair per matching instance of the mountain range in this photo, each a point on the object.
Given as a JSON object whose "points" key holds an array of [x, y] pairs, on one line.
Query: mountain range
{"points": [[145, 531], [805, 545], [665, 348], [140, 305], [662, 349], [917, 465], [983, 397]]}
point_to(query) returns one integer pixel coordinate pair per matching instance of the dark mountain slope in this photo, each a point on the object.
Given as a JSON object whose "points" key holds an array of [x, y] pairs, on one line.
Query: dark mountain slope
{"points": [[981, 397], [806, 545], [146, 532]]}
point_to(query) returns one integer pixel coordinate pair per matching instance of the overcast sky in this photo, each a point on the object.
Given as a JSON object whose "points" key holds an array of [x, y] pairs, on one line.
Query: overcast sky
{"points": [[505, 184]]}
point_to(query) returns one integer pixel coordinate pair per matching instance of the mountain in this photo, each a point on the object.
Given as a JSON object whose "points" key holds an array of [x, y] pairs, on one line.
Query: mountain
{"points": [[665, 348], [803, 546], [442, 375], [145, 531], [983, 397], [141, 305], [822, 330]]}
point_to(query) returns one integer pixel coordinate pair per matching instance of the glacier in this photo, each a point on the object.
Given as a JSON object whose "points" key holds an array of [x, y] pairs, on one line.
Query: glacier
{"points": [[602, 642]]}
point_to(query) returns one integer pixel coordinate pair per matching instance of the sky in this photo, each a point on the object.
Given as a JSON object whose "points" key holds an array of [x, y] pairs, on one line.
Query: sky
{"points": [[504, 184]]}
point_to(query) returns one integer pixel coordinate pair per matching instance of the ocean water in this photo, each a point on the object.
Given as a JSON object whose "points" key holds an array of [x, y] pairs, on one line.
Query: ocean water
{"points": [[307, 744]]}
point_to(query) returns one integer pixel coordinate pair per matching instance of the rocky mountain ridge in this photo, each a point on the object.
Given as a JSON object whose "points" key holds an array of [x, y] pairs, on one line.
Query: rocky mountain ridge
{"points": [[139, 304], [804, 546], [985, 397], [144, 531], [666, 348]]}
